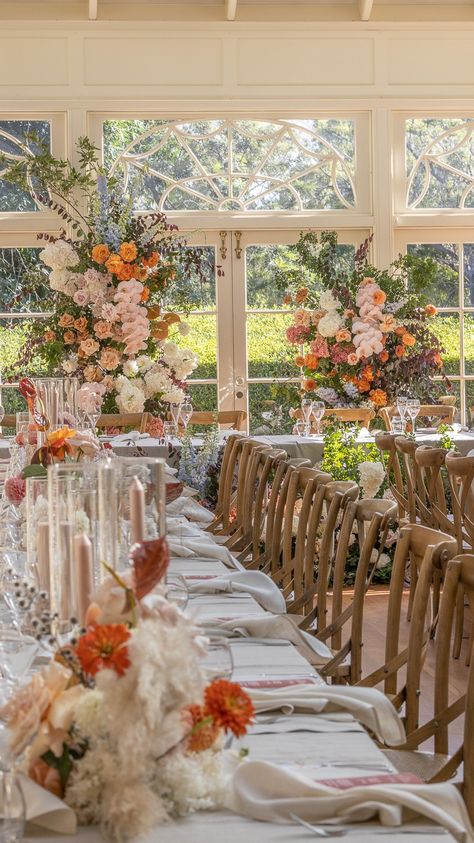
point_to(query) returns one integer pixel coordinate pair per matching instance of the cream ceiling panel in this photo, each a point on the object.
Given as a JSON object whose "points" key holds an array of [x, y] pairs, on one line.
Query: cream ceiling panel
{"points": [[431, 61], [33, 61], [305, 61], [152, 61]]}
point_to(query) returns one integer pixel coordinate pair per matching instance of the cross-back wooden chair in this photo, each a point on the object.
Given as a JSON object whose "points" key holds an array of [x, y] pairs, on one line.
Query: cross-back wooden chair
{"points": [[372, 519], [135, 421], [429, 551], [230, 504], [430, 493], [354, 415], [391, 458], [8, 421], [461, 482], [307, 560], [438, 765], [234, 419], [441, 413]]}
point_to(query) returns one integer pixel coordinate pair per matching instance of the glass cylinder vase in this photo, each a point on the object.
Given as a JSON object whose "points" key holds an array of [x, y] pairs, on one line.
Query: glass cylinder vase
{"points": [[37, 530], [141, 489]]}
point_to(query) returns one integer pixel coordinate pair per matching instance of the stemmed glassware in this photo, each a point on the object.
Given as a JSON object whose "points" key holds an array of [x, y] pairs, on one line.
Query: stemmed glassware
{"points": [[186, 413], [413, 408], [307, 407], [175, 410], [318, 413], [217, 662], [177, 590], [402, 402]]}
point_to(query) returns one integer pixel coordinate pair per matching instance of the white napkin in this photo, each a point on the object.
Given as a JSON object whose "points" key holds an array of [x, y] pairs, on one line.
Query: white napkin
{"points": [[191, 509], [281, 626], [368, 705], [258, 585], [266, 792], [191, 546], [134, 435], [46, 810]]}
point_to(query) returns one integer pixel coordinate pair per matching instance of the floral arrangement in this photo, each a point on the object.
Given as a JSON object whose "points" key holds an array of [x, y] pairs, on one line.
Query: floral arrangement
{"points": [[129, 734], [361, 334], [108, 282]]}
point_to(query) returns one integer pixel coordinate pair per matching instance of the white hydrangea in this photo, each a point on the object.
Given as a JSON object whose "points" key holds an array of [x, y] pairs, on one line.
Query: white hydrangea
{"points": [[60, 280], [88, 716], [184, 329], [173, 396], [157, 381], [131, 399], [70, 364], [170, 350], [372, 475], [59, 255], [329, 325], [328, 302], [130, 368], [144, 363]]}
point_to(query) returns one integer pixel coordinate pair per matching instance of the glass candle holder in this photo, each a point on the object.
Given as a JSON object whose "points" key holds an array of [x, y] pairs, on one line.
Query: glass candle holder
{"points": [[37, 530], [141, 489]]}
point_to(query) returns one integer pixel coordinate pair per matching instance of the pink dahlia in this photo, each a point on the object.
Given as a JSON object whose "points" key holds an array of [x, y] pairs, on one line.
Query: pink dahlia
{"points": [[15, 489], [319, 346], [297, 334]]}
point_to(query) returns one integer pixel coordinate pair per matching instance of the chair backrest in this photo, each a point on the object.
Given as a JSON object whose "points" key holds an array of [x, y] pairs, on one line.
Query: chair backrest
{"points": [[429, 552], [135, 421], [406, 448], [461, 480], [8, 421], [254, 499], [437, 413], [465, 577], [391, 459], [430, 494], [371, 519], [360, 415], [236, 419]]}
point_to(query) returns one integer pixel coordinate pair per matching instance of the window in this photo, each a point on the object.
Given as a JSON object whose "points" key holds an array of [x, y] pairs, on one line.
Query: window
{"points": [[439, 163], [18, 140]]}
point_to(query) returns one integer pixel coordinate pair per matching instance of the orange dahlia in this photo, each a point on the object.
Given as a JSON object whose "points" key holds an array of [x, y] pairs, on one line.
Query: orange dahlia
{"points": [[363, 385], [309, 384], [203, 732], [311, 361], [408, 339], [100, 253], [378, 397], [299, 360], [431, 310], [151, 260], [104, 647], [400, 350], [229, 706], [128, 251], [383, 356]]}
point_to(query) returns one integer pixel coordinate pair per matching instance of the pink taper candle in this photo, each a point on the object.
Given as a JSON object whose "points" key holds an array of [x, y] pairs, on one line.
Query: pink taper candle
{"points": [[137, 511], [42, 554], [83, 566]]}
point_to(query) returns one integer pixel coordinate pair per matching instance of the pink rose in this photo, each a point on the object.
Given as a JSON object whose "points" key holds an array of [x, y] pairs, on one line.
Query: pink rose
{"points": [[15, 489], [109, 359], [81, 298], [103, 330], [89, 346]]}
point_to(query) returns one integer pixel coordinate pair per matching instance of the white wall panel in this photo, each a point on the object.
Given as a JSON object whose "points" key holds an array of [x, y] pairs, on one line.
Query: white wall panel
{"points": [[33, 61], [431, 61]]}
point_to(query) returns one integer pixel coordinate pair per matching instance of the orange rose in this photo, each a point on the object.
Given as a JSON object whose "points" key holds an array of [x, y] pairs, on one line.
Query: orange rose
{"points": [[408, 339], [301, 295], [139, 272], [100, 253], [438, 360], [309, 384], [367, 373], [383, 356], [103, 329], [92, 374], [81, 324], [128, 251], [69, 338], [378, 397], [89, 346], [287, 299], [352, 359], [400, 331], [311, 361], [299, 360], [343, 335], [49, 336], [400, 350], [114, 264], [363, 385], [379, 297], [431, 310], [152, 260], [66, 321], [109, 359], [125, 272], [145, 294]]}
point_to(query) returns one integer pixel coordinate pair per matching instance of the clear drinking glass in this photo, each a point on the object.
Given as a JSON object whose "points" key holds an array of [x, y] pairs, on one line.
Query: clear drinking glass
{"points": [[402, 401], [318, 413], [177, 590], [396, 424], [186, 413], [175, 410], [300, 427], [17, 653], [218, 662], [413, 408], [170, 431]]}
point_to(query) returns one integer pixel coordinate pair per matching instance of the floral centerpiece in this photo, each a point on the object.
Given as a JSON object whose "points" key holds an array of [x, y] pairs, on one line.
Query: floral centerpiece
{"points": [[108, 278], [361, 334], [129, 733]]}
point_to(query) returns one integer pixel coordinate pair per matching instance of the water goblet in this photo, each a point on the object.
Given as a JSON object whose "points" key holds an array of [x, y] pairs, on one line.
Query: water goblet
{"points": [[17, 653], [402, 401], [413, 408], [175, 410], [177, 590], [170, 431], [306, 407], [318, 413], [217, 663], [300, 427], [396, 424], [93, 416], [186, 413]]}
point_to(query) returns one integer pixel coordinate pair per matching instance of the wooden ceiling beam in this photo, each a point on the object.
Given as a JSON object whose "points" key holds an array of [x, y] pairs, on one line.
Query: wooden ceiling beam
{"points": [[231, 9], [365, 9]]}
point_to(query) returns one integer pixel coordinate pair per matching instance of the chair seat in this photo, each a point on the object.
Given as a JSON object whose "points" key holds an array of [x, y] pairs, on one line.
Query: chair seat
{"points": [[425, 765]]}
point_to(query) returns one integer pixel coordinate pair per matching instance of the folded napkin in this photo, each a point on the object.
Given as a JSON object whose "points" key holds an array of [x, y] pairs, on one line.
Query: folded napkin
{"points": [[191, 509], [280, 626], [368, 705], [46, 810], [133, 436], [258, 585], [266, 792], [190, 546]]}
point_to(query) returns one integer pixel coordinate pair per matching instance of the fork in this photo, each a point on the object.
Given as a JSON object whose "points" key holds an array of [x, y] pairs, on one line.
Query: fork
{"points": [[345, 831]]}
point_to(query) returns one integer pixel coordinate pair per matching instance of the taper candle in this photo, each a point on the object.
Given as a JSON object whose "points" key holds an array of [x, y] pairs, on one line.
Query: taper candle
{"points": [[42, 554], [137, 511], [83, 567]]}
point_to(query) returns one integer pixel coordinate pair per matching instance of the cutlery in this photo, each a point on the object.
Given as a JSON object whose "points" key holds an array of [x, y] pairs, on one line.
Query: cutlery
{"points": [[345, 830]]}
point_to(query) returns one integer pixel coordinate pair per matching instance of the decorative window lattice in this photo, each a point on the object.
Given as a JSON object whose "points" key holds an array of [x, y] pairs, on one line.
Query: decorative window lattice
{"points": [[440, 163], [17, 142], [234, 165]]}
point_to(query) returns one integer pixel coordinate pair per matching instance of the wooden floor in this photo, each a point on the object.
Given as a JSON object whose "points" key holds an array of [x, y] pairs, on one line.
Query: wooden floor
{"points": [[375, 612]]}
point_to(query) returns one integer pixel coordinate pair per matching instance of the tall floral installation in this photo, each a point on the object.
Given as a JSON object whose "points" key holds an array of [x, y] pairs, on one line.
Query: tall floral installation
{"points": [[361, 335], [108, 278]]}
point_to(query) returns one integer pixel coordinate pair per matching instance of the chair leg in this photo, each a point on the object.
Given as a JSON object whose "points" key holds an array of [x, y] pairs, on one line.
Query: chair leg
{"points": [[459, 623]]}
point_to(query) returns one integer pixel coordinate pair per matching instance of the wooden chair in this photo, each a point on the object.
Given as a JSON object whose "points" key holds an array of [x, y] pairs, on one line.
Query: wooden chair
{"points": [[372, 519], [354, 415], [135, 421], [235, 419], [438, 766], [227, 474], [461, 481], [429, 551], [430, 494], [443, 414], [230, 518], [391, 459], [9, 421]]}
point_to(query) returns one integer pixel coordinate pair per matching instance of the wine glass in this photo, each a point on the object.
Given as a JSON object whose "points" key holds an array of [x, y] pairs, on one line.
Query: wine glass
{"points": [[396, 424], [186, 413], [93, 416], [402, 402], [17, 653], [170, 430], [413, 408], [217, 662], [175, 410], [318, 413], [300, 427], [177, 590]]}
